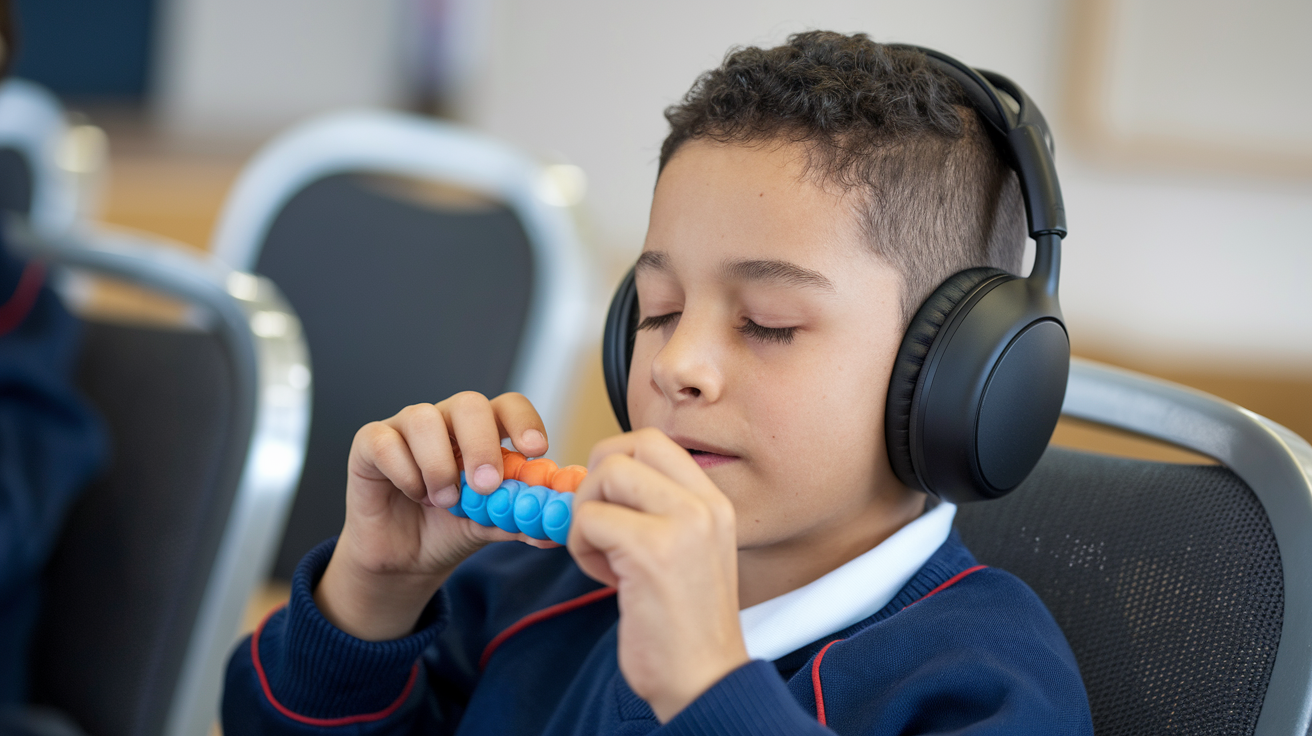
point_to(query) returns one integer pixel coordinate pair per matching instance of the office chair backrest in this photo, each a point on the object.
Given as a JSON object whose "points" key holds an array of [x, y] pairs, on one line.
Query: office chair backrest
{"points": [[1181, 588], [1166, 579], [122, 588], [15, 182], [402, 303], [423, 261], [33, 132], [145, 591]]}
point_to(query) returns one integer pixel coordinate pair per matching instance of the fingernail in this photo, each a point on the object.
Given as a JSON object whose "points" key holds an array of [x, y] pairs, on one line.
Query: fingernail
{"points": [[445, 498], [485, 478], [533, 438]]}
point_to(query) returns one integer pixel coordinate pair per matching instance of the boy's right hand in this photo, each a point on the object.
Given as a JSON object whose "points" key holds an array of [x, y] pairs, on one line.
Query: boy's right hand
{"points": [[400, 543]]}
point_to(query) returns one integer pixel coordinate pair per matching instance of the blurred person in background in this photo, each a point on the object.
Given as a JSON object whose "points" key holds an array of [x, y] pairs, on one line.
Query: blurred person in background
{"points": [[51, 445]]}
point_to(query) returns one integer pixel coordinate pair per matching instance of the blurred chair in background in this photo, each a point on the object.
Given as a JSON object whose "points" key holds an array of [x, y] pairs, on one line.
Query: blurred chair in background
{"points": [[423, 260], [1183, 589], [39, 158], [51, 171], [51, 442], [147, 586]]}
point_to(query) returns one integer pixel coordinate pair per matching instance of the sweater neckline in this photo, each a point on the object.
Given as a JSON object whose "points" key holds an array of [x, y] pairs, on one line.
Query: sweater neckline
{"points": [[848, 594]]}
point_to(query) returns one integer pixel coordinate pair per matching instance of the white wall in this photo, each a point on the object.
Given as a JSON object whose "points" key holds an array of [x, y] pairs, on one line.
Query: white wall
{"points": [[1210, 269], [245, 68]]}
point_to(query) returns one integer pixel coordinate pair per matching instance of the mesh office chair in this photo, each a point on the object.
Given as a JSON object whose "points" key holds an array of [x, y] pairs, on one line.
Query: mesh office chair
{"points": [[150, 578], [423, 260], [1183, 589]]}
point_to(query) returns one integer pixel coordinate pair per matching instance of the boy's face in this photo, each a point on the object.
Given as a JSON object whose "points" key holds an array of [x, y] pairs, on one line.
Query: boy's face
{"points": [[767, 337]]}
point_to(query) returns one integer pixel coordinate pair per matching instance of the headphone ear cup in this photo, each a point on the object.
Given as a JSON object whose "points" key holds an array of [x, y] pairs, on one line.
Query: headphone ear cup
{"points": [[617, 347], [916, 343]]}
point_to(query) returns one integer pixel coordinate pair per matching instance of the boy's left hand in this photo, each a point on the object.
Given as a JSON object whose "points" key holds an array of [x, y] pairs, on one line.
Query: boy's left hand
{"points": [[648, 521]]}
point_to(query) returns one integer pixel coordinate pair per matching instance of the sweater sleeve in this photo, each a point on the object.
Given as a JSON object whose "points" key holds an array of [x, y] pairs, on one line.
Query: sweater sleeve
{"points": [[298, 674], [751, 701]]}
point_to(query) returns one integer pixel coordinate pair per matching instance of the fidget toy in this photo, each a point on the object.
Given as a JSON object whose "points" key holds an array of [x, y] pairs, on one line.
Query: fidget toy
{"points": [[535, 498]]}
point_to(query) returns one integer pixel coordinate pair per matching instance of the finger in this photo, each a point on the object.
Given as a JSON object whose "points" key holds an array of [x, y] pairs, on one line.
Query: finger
{"points": [[620, 479], [653, 447], [469, 415], [601, 531], [384, 455], [496, 534], [519, 421], [425, 431]]}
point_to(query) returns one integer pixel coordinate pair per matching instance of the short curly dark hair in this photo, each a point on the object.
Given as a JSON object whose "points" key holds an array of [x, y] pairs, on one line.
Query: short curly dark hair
{"points": [[940, 199]]}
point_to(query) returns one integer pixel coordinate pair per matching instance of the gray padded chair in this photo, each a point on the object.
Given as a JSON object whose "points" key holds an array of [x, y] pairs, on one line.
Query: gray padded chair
{"points": [[1184, 590], [148, 584], [423, 260]]}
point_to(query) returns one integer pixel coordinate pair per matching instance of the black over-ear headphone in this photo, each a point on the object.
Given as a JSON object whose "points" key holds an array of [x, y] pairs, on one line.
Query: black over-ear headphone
{"points": [[980, 377]]}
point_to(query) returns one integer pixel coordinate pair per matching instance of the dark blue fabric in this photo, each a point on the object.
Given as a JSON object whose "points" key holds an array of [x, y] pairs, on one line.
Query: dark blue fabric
{"points": [[980, 657], [50, 446]]}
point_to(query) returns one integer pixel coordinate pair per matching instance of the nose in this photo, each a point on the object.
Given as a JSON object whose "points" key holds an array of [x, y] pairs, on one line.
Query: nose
{"points": [[685, 369]]}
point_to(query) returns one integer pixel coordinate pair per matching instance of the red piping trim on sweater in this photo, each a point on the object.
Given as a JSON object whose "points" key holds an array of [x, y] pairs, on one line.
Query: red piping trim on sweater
{"points": [[543, 615], [815, 663], [16, 308], [323, 722], [815, 682], [950, 582]]}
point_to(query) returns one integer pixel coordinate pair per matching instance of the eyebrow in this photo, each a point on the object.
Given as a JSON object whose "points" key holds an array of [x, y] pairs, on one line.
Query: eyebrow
{"points": [[652, 260], [780, 272]]}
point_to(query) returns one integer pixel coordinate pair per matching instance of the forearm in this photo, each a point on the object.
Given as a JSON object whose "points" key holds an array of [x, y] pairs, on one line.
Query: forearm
{"points": [[371, 606], [298, 673]]}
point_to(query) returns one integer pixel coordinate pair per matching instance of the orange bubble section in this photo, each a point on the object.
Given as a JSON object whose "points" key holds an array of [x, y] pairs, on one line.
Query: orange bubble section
{"points": [[568, 478], [542, 472]]}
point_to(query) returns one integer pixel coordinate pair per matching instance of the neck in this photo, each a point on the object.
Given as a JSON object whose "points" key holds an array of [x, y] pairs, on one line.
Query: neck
{"points": [[771, 570]]}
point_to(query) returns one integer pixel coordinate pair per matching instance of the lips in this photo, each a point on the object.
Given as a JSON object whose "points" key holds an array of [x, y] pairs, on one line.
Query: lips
{"points": [[710, 460], [706, 455]]}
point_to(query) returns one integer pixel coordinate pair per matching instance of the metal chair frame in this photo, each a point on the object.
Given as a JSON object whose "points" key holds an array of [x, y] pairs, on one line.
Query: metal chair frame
{"points": [[32, 122], [1274, 462], [561, 317], [271, 377]]}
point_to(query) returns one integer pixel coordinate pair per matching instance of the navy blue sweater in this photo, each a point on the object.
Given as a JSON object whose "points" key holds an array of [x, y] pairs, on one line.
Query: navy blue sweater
{"points": [[520, 642]]}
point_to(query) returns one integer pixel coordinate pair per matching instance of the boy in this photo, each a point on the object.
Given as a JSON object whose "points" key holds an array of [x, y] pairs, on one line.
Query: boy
{"points": [[766, 571]]}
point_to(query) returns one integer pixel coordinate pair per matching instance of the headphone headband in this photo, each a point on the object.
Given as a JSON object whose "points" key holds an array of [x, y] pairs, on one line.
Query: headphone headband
{"points": [[1016, 123]]}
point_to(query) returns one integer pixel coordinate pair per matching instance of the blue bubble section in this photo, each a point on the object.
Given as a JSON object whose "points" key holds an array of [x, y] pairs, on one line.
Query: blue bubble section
{"points": [[474, 505], [517, 507], [528, 510], [556, 517], [501, 505]]}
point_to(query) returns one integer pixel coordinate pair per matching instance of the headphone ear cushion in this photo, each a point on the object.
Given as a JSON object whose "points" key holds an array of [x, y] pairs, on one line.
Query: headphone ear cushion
{"points": [[919, 338], [617, 347]]}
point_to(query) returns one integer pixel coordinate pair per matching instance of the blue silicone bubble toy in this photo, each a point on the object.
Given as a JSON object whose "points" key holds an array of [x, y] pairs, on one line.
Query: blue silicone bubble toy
{"points": [[516, 507]]}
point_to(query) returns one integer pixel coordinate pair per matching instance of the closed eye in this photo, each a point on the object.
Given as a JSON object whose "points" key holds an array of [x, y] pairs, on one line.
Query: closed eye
{"points": [[781, 335], [659, 321]]}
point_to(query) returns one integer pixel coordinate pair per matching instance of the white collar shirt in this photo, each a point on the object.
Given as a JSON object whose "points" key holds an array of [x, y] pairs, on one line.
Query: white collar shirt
{"points": [[850, 593]]}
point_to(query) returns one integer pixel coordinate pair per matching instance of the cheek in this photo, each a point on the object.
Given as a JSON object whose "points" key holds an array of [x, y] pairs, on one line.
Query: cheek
{"points": [[826, 404], [640, 394], [830, 407]]}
